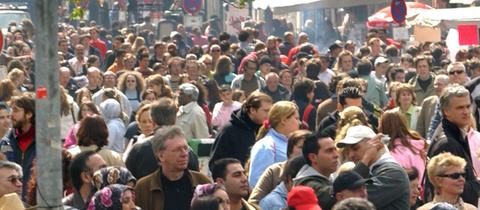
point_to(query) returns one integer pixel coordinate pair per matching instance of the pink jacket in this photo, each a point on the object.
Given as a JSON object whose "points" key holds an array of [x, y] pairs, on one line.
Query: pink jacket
{"points": [[474, 144], [407, 159]]}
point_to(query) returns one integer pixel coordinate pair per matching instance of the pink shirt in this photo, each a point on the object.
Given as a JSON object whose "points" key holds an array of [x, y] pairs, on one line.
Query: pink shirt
{"points": [[221, 113], [474, 144], [407, 159]]}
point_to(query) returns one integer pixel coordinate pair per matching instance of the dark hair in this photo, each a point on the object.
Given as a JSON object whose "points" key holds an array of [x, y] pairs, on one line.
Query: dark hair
{"points": [[243, 35], [255, 100], [348, 92], [294, 138], [26, 102], [364, 67], [292, 167], [312, 68], [311, 145], [219, 168], [119, 52], [164, 111], [77, 166], [412, 173], [119, 38], [93, 131], [205, 203], [301, 88], [396, 70], [421, 58], [354, 204]]}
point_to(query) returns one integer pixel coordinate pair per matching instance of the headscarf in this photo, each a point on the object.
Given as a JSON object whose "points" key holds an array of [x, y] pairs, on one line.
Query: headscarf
{"points": [[109, 197], [113, 175], [205, 190]]}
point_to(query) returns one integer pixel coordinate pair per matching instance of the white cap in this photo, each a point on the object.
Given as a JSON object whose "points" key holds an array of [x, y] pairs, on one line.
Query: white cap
{"points": [[356, 134]]}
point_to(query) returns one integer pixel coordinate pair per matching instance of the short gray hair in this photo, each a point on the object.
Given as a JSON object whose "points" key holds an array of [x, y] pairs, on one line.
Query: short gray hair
{"points": [[454, 90], [163, 134], [11, 165], [456, 64]]}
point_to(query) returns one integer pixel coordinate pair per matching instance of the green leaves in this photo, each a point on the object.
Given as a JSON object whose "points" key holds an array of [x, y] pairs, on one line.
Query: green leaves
{"points": [[78, 12]]}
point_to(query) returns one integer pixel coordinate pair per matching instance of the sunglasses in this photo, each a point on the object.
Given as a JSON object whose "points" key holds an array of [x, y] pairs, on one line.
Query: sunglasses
{"points": [[455, 72], [14, 179], [454, 175]]}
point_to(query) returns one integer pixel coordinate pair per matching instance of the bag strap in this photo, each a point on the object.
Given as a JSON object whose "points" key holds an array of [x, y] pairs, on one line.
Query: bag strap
{"points": [[306, 113]]}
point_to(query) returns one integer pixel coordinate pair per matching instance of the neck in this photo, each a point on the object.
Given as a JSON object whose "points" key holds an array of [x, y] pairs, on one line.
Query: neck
{"points": [[235, 203], [404, 107], [449, 198], [228, 102], [172, 175], [378, 74], [92, 87], [282, 130], [26, 127], [323, 173], [84, 191]]}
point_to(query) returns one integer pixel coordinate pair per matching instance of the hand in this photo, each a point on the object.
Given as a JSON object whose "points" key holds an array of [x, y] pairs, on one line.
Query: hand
{"points": [[374, 148], [2, 156]]}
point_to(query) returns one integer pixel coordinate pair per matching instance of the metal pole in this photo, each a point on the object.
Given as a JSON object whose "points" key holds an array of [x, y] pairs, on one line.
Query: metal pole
{"points": [[48, 144]]}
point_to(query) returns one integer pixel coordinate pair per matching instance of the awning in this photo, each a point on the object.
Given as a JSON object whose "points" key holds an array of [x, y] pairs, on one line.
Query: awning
{"points": [[283, 6], [448, 18]]}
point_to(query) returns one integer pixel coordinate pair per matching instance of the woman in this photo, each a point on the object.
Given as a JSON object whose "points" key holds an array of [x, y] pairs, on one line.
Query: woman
{"points": [[145, 125], [17, 76], [224, 109], [112, 175], [7, 90], [223, 71], [286, 79], [407, 147], [157, 84], [302, 95], [414, 188], [112, 112], [86, 109], [283, 119], [215, 190], [344, 62], [447, 175], [113, 197], [93, 136], [405, 101], [68, 111], [148, 96], [207, 203], [132, 85]]}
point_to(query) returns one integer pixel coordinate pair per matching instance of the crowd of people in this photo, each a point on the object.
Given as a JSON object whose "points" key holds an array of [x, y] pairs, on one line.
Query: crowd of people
{"points": [[381, 126]]}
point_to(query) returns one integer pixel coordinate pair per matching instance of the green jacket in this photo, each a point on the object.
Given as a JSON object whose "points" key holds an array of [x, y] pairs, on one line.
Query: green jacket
{"points": [[421, 94]]}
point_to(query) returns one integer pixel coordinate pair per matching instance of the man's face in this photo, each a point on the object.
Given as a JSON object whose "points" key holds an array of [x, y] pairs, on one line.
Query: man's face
{"points": [[143, 63], [183, 99], [250, 69], [400, 77], [174, 156], [457, 75], [261, 114], [160, 50], [109, 81], [63, 47], [356, 152], [458, 112], [352, 102], [192, 71], [360, 192], [347, 62], [236, 182], [272, 83], [5, 122], [19, 117], [95, 162], [326, 160], [176, 68], [10, 181], [64, 77], [439, 85], [290, 38], [116, 44], [423, 69], [79, 51], [94, 79], [381, 68]]}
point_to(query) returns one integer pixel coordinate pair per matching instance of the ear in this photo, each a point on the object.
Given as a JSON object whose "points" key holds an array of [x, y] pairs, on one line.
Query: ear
{"points": [[339, 196], [29, 115], [339, 107], [220, 181], [85, 178], [159, 155], [312, 157]]}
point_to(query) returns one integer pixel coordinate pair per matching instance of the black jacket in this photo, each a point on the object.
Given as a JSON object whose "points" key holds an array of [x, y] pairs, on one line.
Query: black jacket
{"points": [[449, 138], [235, 139]]}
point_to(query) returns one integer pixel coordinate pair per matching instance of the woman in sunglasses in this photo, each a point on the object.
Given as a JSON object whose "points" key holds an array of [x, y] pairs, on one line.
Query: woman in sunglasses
{"points": [[447, 175]]}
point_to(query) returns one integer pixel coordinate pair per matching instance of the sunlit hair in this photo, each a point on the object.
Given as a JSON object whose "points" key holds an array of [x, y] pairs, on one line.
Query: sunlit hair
{"points": [[140, 83], [440, 164], [350, 116], [394, 124], [279, 111]]}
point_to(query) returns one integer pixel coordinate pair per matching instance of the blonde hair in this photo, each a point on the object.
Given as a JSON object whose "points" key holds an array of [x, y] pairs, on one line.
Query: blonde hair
{"points": [[439, 164], [350, 116], [279, 111]]}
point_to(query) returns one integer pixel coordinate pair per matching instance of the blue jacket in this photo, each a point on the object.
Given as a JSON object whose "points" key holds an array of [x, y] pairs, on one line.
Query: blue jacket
{"points": [[275, 200], [9, 146]]}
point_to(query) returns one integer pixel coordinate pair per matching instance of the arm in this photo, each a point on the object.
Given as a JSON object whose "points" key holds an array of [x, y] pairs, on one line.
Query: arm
{"points": [[261, 157], [265, 184], [200, 127]]}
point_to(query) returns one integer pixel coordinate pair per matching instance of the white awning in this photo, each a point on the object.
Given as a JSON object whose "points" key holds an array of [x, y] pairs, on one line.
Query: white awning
{"points": [[283, 6], [448, 17]]}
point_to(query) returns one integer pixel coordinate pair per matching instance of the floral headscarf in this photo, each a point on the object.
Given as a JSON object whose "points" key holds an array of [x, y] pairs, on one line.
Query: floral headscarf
{"points": [[109, 197], [205, 190], [113, 175]]}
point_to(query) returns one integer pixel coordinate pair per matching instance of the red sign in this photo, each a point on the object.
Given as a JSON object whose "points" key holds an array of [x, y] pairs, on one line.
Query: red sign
{"points": [[192, 7], [1, 41], [398, 10], [467, 34]]}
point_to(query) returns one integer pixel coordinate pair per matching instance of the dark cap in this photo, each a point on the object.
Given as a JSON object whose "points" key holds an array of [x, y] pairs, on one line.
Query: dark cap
{"points": [[348, 180], [334, 46], [265, 59]]}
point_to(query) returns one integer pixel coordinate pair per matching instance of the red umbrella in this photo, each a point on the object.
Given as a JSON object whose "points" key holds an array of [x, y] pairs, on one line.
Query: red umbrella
{"points": [[383, 18]]}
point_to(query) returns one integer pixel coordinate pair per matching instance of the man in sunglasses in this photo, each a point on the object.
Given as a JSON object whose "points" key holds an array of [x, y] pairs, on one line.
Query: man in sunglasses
{"points": [[456, 135], [457, 73], [10, 185]]}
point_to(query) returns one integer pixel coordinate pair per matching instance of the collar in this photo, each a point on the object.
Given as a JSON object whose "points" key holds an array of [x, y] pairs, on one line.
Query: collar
{"points": [[29, 134], [385, 158], [187, 108], [281, 189], [276, 135]]}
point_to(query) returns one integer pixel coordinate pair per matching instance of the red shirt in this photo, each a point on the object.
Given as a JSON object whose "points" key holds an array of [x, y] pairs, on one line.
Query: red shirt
{"points": [[101, 46], [25, 139]]}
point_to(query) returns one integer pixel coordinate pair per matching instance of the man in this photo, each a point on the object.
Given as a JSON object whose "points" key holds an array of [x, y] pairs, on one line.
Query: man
{"points": [[229, 172], [248, 81], [238, 136], [191, 117], [159, 50], [453, 136], [274, 89], [245, 40], [389, 185], [97, 43], [141, 160], [321, 157], [19, 144], [288, 43], [110, 83], [430, 107], [110, 55], [94, 84], [77, 63], [119, 62], [10, 185], [171, 186], [265, 67], [5, 122], [175, 69], [81, 172], [423, 82], [325, 75], [143, 65], [349, 184], [375, 88], [66, 81], [63, 48], [457, 73]]}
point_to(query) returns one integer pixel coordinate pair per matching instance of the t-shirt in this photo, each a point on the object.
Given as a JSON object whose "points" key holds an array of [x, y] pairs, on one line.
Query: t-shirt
{"points": [[11, 201], [249, 85], [178, 194]]}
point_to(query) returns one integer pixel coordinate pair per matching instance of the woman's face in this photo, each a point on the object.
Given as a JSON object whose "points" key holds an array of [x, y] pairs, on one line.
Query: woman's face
{"points": [[451, 185], [297, 148], [150, 97], [286, 80], [86, 111], [226, 96], [223, 197], [347, 63], [156, 88], [145, 123], [414, 191], [405, 98], [131, 82], [128, 200], [292, 123]]}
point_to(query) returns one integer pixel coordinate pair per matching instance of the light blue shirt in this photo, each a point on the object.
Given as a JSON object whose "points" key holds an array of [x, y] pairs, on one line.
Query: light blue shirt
{"points": [[269, 150], [275, 200]]}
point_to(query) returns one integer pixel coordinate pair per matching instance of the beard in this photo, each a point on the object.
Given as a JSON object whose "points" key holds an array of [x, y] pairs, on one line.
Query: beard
{"points": [[18, 124]]}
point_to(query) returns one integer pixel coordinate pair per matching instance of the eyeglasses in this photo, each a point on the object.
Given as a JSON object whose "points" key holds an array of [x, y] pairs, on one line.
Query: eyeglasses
{"points": [[454, 175], [456, 72], [14, 179], [215, 50]]}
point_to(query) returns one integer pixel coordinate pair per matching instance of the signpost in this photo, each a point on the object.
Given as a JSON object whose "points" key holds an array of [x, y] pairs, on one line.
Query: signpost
{"points": [[192, 7], [399, 11]]}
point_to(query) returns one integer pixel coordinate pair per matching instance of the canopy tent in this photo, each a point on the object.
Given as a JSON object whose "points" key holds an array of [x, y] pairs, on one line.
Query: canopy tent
{"points": [[284, 6], [383, 17], [448, 18]]}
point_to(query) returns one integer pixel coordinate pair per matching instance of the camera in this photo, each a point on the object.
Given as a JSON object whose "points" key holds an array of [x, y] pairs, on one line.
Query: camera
{"points": [[385, 139]]}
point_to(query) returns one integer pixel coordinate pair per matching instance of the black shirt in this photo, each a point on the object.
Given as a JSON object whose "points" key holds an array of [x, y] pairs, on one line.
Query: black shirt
{"points": [[178, 194]]}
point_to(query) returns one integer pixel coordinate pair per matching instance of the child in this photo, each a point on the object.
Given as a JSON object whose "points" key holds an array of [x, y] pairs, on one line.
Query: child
{"points": [[223, 110]]}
